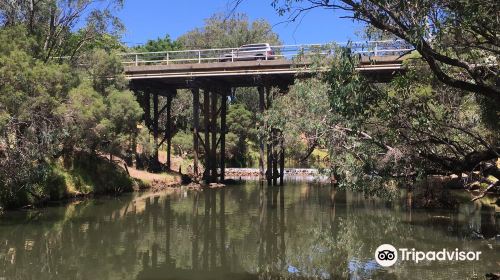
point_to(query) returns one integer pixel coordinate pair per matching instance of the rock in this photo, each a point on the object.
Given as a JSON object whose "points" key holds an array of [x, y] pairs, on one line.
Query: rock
{"points": [[216, 185]]}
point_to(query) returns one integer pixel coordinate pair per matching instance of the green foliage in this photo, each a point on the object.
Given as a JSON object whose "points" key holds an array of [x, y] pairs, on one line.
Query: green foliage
{"points": [[240, 121], [15, 39], [233, 32], [82, 114], [242, 127], [349, 94], [457, 39], [303, 115], [49, 110], [105, 71], [61, 27], [411, 126], [91, 174], [159, 45], [182, 143], [124, 111]]}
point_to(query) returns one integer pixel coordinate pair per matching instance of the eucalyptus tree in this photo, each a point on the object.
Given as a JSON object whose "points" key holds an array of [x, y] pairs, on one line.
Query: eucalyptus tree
{"points": [[53, 23], [457, 39], [220, 31], [413, 126]]}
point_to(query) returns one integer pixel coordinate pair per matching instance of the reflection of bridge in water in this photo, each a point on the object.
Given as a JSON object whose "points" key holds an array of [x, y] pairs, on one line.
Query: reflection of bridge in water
{"points": [[212, 255], [158, 75]]}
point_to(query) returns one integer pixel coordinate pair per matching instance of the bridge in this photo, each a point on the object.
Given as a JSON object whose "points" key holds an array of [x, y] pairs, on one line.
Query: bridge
{"points": [[378, 59], [216, 72]]}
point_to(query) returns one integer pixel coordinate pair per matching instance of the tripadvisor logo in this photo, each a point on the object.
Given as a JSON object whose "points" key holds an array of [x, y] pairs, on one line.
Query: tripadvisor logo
{"points": [[386, 255]]}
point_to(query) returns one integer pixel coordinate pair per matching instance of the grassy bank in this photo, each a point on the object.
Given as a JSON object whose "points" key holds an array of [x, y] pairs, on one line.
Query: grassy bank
{"points": [[82, 175]]}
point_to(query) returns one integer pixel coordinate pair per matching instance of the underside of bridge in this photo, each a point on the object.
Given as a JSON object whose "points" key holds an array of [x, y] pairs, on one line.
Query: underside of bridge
{"points": [[209, 128], [210, 85]]}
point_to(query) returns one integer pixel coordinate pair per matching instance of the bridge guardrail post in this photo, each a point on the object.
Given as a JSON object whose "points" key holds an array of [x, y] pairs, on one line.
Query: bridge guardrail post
{"points": [[376, 48], [136, 59], [168, 58], [232, 55], [199, 56]]}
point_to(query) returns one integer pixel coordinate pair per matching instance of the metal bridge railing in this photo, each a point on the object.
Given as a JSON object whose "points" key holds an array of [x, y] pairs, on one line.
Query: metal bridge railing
{"points": [[288, 52]]}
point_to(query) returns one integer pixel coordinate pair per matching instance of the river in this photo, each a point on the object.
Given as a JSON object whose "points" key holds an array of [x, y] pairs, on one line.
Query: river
{"points": [[248, 231]]}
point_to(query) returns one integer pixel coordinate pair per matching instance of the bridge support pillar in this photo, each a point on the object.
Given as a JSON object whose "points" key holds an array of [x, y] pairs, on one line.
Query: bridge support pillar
{"points": [[206, 131], [275, 151], [269, 147], [196, 128], [262, 107], [214, 140], [223, 130], [168, 128], [152, 115], [213, 131], [155, 163], [282, 160]]}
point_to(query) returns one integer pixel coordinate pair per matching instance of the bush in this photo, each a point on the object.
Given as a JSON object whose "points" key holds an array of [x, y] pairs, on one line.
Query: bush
{"points": [[87, 174]]}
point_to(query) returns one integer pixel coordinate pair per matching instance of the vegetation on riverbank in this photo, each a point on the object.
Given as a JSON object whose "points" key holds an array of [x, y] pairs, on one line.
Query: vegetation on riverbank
{"points": [[439, 117], [85, 175], [63, 101]]}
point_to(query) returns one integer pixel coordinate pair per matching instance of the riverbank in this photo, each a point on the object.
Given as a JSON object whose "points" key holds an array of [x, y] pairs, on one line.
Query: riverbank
{"points": [[84, 176]]}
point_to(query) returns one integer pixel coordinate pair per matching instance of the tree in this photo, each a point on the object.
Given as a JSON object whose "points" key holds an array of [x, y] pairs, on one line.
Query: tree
{"points": [[159, 45], [457, 39], [105, 70], [82, 114], [52, 23], [241, 126], [50, 109], [30, 92], [413, 126], [232, 32]]}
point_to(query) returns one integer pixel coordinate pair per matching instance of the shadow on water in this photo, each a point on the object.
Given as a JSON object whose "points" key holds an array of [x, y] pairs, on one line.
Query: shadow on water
{"points": [[252, 231]]}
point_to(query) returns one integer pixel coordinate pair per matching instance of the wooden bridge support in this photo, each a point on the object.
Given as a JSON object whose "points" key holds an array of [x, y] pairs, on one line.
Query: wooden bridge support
{"points": [[262, 107], [168, 130], [214, 138], [209, 136], [196, 128], [155, 163], [275, 152], [223, 130], [152, 118]]}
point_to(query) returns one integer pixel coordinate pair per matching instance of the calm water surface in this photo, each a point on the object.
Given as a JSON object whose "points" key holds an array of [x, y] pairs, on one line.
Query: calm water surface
{"points": [[300, 231]]}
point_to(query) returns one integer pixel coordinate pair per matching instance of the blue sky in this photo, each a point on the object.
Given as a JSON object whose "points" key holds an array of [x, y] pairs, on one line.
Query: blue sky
{"points": [[150, 19]]}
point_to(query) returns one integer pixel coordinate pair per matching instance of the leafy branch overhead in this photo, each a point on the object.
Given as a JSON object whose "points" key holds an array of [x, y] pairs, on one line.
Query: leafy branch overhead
{"points": [[457, 38]]}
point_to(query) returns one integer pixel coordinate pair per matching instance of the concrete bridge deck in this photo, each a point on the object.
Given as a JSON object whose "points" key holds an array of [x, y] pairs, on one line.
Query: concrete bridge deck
{"points": [[244, 73], [379, 60]]}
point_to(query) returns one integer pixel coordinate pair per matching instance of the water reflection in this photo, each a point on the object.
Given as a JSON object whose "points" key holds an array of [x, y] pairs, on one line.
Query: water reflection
{"points": [[298, 231]]}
